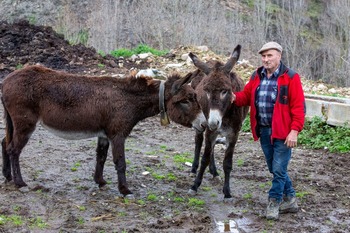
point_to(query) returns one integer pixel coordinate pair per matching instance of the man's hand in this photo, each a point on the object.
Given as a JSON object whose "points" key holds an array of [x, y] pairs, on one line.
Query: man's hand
{"points": [[233, 97], [292, 139]]}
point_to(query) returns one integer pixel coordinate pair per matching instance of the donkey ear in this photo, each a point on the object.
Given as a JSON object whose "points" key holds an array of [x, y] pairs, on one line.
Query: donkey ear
{"points": [[180, 82], [232, 60], [199, 64]]}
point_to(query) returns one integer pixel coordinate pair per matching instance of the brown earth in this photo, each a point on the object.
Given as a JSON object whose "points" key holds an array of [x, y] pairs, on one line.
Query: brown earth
{"points": [[62, 196]]}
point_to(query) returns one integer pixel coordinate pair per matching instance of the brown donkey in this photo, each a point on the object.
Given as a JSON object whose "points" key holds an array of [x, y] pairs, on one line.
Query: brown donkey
{"points": [[77, 107], [214, 83]]}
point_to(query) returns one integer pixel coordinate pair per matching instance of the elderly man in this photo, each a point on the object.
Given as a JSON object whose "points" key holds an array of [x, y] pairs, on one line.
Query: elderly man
{"points": [[277, 113]]}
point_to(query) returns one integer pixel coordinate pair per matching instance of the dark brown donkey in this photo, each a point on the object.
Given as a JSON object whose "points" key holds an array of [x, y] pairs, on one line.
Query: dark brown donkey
{"points": [[77, 107], [214, 83]]}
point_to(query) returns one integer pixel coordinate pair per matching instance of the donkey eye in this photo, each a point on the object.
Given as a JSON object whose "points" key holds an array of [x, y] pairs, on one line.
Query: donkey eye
{"points": [[223, 94], [185, 102]]}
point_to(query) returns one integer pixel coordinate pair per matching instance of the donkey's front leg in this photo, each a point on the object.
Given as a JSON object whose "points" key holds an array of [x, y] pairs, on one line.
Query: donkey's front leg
{"points": [[212, 166], [101, 155], [197, 151], [227, 167], [208, 150], [118, 144]]}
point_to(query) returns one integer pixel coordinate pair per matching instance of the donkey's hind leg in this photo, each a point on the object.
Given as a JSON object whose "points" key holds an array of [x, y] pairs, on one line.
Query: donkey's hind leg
{"points": [[101, 150], [6, 164], [23, 128]]}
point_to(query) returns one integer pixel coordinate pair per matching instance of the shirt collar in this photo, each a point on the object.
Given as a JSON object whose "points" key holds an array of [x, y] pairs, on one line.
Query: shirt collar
{"points": [[274, 75]]}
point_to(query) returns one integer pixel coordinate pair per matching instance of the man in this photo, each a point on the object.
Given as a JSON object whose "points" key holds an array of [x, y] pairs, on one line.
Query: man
{"points": [[277, 113]]}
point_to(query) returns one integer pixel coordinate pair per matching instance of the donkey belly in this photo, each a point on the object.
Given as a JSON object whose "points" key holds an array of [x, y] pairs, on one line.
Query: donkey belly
{"points": [[73, 135]]}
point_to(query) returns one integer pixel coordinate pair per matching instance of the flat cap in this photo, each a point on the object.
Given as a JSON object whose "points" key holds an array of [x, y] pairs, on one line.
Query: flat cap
{"points": [[271, 45]]}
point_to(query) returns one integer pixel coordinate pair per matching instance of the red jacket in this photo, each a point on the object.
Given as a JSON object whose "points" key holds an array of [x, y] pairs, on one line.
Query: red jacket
{"points": [[289, 111]]}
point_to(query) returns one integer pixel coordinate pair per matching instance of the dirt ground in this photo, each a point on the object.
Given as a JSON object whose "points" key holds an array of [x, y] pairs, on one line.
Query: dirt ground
{"points": [[62, 196]]}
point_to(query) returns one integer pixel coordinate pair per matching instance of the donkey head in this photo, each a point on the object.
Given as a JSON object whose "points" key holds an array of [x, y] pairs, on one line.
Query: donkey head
{"points": [[214, 91], [181, 103]]}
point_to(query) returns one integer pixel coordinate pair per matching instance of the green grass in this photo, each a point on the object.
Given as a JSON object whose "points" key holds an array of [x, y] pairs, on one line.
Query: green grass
{"points": [[247, 196], [152, 197], [301, 194], [141, 48], [171, 177], [178, 199], [183, 158], [17, 220], [37, 222], [240, 162], [317, 134], [195, 202], [246, 124]]}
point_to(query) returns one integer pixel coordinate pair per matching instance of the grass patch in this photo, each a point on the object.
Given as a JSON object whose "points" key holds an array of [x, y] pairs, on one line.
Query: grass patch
{"points": [[158, 176], [141, 48], [240, 162], [171, 177], [179, 199], [37, 222], [75, 167], [195, 202], [17, 220], [301, 194], [247, 196], [317, 134], [152, 197], [183, 158]]}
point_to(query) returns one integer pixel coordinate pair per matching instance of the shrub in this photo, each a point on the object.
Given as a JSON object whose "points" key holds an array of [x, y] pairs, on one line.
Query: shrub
{"points": [[317, 134], [141, 48]]}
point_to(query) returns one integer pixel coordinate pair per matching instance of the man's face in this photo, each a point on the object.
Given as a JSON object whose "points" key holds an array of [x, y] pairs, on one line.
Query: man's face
{"points": [[271, 59]]}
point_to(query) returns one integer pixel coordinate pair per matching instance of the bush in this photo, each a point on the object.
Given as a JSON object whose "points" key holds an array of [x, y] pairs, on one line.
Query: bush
{"points": [[141, 48], [317, 134]]}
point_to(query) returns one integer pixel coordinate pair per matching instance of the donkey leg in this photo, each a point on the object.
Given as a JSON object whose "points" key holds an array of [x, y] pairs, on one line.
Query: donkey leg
{"points": [[198, 181], [101, 155], [208, 150], [6, 164], [118, 145], [197, 150], [212, 166], [23, 128], [227, 166]]}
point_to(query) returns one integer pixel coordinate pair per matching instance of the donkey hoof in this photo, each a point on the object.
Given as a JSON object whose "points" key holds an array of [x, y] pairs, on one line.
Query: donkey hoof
{"points": [[217, 178], [191, 192], [24, 189], [228, 200], [20, 184], [103, 187], [130, 196]]}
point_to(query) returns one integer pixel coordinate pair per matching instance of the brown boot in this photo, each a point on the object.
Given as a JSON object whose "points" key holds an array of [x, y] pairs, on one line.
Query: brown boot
{"points": [[272, 209], [289, 205]]}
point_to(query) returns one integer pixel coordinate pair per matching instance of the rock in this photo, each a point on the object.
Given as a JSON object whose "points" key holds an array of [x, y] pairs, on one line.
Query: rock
{"points": [[203, 48]]}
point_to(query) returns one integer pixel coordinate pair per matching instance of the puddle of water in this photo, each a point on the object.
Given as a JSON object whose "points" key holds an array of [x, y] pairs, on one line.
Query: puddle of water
{"points": [[229, 226]]}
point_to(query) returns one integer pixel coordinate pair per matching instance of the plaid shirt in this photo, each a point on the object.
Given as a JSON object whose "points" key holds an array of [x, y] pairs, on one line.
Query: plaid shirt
{"points": [[266, 98]]}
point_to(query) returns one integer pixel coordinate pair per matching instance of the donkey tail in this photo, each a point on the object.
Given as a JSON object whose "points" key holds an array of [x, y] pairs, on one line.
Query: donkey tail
{"points": [[9, 125]]}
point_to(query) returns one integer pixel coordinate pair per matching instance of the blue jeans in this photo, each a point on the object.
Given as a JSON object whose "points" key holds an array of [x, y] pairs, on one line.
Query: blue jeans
{"points": [[277, 156]]}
